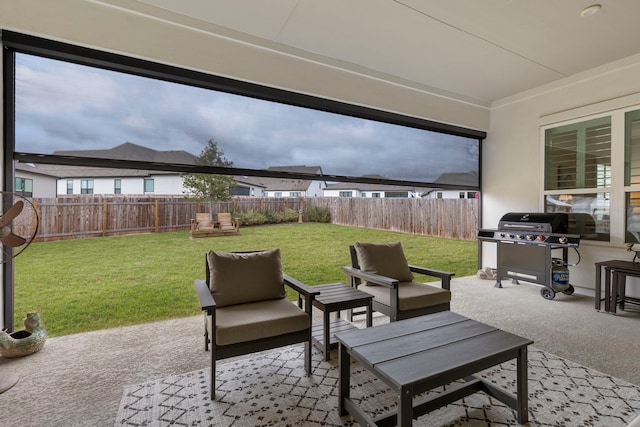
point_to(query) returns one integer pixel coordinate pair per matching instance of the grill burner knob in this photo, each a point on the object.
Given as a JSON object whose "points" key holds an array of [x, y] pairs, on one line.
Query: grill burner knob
{"points": [[501, 235], [530, 237], [520, 236], [563, 240], [510, 236]]}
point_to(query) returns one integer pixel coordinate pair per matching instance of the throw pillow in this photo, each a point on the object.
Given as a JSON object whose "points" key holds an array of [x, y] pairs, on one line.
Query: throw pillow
{"points": [[385, 259], [239, 278]]}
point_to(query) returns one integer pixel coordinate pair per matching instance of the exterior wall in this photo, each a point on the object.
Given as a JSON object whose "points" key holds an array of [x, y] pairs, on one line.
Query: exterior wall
{"points": [[514, 149], [336, 193], [450, 194], [43, 186], [163, 185]]}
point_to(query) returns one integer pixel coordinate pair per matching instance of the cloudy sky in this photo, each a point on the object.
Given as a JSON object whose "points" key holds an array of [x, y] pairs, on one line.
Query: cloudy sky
{"points": [[63, 106]]}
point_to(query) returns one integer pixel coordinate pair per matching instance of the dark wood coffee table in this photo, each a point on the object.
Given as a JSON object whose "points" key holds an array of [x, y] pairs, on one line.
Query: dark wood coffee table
{"points": [[416, 355]]}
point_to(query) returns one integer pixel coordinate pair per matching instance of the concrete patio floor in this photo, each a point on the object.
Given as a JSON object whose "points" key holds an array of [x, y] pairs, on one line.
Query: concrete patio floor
{"points": [[78, 380]]}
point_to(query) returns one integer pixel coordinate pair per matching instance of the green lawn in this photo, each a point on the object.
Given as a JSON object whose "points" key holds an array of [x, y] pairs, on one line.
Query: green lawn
{"points": [[89, 284]]}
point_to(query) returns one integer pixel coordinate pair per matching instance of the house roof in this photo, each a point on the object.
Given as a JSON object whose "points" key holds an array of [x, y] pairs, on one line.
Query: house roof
{"points": [[371, 187], [131, 151], [127, 151]]}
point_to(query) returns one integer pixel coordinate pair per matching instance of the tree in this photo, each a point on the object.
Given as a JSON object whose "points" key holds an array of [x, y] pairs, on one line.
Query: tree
{"points": [[209, 187]]}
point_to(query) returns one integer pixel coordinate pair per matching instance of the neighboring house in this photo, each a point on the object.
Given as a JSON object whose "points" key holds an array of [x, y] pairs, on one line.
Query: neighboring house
{"points": [[32, 181], [287, 187], [248, 186], [469, 178], [42, 180], [450, 194], [348, 189]]}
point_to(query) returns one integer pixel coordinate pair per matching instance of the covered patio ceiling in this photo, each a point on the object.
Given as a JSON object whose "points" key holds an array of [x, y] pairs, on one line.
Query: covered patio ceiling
{"points": [[475, 51]]}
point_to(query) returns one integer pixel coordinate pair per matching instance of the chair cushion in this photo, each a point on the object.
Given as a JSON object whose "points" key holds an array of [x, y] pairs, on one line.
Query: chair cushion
{"points": [[248, 322], [411, 295], [385, 259], [240, 278]]}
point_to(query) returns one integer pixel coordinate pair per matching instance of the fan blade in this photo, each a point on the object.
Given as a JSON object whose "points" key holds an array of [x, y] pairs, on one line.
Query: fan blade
{"points": [[13, 240], [13, 212]]}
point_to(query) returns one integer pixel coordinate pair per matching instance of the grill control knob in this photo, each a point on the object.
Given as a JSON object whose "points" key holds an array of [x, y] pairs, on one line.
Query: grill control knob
{"points": [[530, 237], [501, 235], [520, 236], [510, 236], [563, 240]]}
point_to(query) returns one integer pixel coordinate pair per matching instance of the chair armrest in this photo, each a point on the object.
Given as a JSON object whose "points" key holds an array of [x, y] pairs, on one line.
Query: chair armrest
{"points": [[371, 277], [207, 302], [300, 287], [444, 276]]}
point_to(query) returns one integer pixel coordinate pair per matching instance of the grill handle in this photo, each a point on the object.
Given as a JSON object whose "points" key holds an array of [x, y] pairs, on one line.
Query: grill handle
{"points": [[521, 226]]}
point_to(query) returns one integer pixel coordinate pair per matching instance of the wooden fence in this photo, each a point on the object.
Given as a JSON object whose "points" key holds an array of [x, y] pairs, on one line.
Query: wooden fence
{"points": [[70, 217]]}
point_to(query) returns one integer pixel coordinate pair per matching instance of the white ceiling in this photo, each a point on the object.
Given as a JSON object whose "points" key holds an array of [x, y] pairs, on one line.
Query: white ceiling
{"points": [[476, 50]]}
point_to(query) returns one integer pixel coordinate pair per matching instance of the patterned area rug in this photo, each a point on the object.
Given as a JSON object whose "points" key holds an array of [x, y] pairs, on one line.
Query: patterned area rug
{"points": [[273, 390]]}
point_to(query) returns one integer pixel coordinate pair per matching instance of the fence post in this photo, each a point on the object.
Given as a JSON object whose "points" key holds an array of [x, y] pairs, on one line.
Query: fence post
{"points": [[157, 216], [104, 217]]}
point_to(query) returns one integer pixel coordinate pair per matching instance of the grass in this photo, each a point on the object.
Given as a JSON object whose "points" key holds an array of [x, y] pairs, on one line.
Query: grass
{"points": [[90, 284]]}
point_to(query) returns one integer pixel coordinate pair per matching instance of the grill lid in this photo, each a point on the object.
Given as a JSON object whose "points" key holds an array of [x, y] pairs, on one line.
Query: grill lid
{"points": [[547, 222]]}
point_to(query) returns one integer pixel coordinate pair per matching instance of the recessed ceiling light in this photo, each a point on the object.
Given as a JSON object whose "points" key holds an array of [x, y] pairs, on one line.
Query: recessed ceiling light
{"points": [[590, 10]]}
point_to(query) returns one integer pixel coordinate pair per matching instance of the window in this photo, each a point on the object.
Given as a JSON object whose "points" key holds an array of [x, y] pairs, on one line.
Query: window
{"points": [[86, 186], [396, 194], [461, 195], [632, 176], [363, 194], [117, 186], [578, 173], [148, 185], [346, 194], [472, 195], [69, 186], [295, 194], [24, 187], [277, 194], [439, 195], [47, 69], [375, 195]]}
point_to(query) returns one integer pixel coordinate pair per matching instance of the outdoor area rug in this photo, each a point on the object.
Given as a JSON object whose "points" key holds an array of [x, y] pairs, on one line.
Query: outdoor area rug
{"points": [[272, 389]]}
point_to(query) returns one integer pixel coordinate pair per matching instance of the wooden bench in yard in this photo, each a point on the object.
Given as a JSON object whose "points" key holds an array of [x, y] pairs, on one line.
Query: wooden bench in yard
{"points": [[203, 226]]}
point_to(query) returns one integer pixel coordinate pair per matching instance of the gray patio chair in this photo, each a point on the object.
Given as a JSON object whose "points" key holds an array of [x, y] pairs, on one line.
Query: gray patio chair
{"points": [[246, 309], [383, 271]]}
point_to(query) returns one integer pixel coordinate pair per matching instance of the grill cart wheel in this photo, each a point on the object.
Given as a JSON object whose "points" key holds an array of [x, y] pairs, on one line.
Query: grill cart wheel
{"points": [[547, 293], [569, 291]]}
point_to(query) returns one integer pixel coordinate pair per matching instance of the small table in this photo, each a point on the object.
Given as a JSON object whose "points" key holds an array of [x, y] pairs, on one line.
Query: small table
{"points": [[416, 355], [333, 298], [615, 275]]}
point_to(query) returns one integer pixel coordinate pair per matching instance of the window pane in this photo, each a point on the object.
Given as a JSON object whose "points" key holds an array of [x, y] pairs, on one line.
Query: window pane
{"points": [[578, 156], [68, 109], [593, 219], [148, 186], [632, 148], [632, 223]]}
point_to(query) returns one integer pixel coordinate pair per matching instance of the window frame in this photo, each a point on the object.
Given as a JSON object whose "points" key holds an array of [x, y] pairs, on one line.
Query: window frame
{"points": [[31, 45]]}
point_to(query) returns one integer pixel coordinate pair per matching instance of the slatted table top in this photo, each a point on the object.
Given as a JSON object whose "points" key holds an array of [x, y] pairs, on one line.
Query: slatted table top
{"points": [[428, 351]]}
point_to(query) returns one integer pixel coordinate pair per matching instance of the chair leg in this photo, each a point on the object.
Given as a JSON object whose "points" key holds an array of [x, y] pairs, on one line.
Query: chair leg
{"points": [[307, 356], [212, 381]]}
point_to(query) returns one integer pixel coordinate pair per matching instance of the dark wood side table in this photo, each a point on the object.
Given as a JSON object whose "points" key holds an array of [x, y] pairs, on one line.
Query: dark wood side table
{"points": [[616, 272], [419, 354], [334, 297]]}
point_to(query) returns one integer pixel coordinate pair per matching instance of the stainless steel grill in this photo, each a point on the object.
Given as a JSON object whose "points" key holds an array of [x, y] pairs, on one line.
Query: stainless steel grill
{"points": [[527, 241]]}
